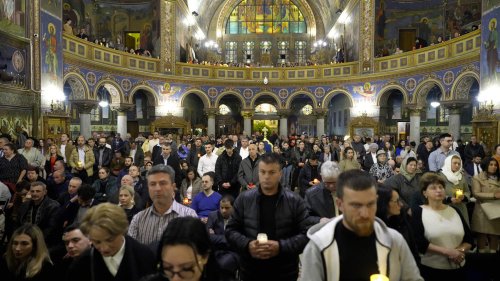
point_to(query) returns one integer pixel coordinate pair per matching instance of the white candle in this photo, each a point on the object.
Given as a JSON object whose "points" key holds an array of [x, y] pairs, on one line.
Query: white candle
{"points": [[262, 238]]}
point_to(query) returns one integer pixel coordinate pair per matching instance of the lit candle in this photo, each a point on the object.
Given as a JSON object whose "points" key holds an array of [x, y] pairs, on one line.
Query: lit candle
{"points": [[459, 193], [262, 238], [378, 277], [315, 181], [185, 201], [79, 164]]}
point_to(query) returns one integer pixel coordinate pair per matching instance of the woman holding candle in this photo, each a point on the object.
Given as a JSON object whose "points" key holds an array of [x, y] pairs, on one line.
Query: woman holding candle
{"points": [[442, 234], [486, 188], [190, 186], [457, 189]]}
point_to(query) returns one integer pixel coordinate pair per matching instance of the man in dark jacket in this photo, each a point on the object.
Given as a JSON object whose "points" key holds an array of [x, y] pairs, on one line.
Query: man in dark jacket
{"points": [[309, 175], [103, 155], [226, 170], [41, 211], [248, 173], [280, 218], [195, 153], [168, 158], [227, 260], [473, 148]]}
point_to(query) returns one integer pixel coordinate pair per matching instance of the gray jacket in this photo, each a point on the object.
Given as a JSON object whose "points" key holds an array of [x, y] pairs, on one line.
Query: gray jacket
{"points": [[247, 174], [395, 259]]}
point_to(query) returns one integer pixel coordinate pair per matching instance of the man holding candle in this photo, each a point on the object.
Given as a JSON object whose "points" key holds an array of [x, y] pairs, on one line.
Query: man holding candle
{"points": [[309, 175], [276, 212], [356, 245]]}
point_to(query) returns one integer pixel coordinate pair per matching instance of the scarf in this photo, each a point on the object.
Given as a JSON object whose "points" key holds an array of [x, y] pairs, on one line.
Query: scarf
{"points": [[453, 177], [404, 172]]}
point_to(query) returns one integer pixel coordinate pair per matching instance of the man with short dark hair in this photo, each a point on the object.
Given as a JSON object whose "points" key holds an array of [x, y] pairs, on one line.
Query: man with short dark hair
{"points": [[40, 211], [226, 170], [334, 250], [148, 225], [208, 200], [75, 244], [473, 148], [309, 175], [437, 157], [275, 215], [168, 158], [207, 162], [227, 260]]}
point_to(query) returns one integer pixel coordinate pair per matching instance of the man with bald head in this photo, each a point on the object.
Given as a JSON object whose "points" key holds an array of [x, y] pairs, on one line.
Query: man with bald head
{"points": [[70, 194], [248, 172], [57, 185], [128, 180]]}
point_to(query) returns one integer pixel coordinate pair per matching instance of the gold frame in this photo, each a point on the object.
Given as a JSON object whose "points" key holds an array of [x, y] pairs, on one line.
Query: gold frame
{"points": [[363, 123], [171, 122]]}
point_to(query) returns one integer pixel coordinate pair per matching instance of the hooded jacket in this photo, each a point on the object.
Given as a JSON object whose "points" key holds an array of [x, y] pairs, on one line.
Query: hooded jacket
{"points": [[321, 256]]}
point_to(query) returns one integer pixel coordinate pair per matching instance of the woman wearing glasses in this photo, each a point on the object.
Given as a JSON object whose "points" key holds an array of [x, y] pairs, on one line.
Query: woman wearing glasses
{"points": [[113, 256], [184, 252]]}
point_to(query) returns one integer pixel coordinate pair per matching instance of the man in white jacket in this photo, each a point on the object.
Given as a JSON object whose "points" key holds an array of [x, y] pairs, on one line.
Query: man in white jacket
{"points": [[356, 245]]}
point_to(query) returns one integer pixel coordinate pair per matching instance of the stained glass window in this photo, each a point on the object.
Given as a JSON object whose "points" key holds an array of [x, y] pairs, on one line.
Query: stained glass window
{"points": [[266, 17]]}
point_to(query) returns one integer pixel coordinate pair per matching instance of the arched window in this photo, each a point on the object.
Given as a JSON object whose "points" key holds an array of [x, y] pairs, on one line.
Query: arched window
{"points": [[266, 17]]}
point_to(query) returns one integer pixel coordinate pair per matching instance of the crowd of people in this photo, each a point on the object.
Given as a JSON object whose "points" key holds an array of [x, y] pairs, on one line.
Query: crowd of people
{"points": [[240, 207]]}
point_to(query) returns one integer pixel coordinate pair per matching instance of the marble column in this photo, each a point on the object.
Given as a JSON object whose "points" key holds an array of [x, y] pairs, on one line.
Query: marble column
{"points": [[247, 122], [121, 120], [84, 108], [284, 113], [415, 124], [454, 123], [211, 113], [320, 121]]}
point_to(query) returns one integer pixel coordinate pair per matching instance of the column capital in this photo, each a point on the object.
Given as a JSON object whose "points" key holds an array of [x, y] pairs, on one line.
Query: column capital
{"points": [[121, 107], [415, 110], [247, 114], [211, 112], [320, 112], [455, 107], [284, 113], [84, 106]]}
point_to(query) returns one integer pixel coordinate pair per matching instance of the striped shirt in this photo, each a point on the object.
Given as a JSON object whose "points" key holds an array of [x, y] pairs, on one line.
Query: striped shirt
{"points": [[148, 225]]}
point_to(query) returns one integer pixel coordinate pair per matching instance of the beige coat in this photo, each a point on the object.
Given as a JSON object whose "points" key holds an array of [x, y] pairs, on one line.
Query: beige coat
{"points": [[89, 160], [483, 190]]}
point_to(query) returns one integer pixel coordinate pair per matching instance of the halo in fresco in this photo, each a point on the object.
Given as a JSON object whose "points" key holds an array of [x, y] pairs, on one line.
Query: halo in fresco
{"points": [[248, 93], [283, 93], [18, 61], [126, 84], [410, 84], [319, 92], [448, 78], [91, 78], [212, 92]]}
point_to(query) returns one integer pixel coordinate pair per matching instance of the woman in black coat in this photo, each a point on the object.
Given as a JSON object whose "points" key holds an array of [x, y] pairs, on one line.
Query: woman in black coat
{"points": [[106, 226]]}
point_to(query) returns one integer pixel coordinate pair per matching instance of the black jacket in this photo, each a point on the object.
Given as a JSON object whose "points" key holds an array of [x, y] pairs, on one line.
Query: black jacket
{"points": [[138, 261], [172, 161], [194, 156], [308, 173], [292, 223], [45, 219], [107, 155], [226, 170], [226, 258], [319, 203]]}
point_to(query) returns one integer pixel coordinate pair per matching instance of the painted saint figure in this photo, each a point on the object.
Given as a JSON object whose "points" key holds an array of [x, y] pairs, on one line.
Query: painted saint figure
{"points": [[491, 45]]}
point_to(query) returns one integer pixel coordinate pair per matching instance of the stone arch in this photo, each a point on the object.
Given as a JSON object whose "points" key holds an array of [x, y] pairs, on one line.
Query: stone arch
{"points": [[333, 93], [385, 93], [422, 90], [301, 92], [150, 93], [78, 86], [232, 93], [117, 97], [265, 93], [304, 7], [202, 95], [461, 87]]}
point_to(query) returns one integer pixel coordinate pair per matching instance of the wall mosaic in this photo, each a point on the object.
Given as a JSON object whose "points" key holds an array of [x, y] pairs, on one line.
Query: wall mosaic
{"points": [[13, 18]]}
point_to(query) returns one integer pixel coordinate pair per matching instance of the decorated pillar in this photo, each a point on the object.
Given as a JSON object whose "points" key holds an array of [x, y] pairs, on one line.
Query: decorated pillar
{"points": [[168, 29], [284, 113], [247, 122], [320, 120], [84, 108], [415, 124], [211, 113], [366, 35], [121, 120]]}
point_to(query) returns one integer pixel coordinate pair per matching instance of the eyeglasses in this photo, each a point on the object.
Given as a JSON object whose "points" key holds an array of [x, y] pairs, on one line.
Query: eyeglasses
{"points": [[185, 273]]}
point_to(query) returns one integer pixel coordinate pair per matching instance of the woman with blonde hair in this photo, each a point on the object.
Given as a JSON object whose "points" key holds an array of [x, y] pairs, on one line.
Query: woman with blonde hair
{"points": [[114, 255], [27, 256], [126, 201], [53, 155]]}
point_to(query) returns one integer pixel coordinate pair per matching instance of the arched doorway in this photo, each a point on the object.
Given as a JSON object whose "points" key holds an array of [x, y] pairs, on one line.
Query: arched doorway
{"points": [[102, 118], [193, 113], [143, 113], [392, 117], [339, 112], [302, 117], [265, 115], [229, 119], [435, 116]]}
